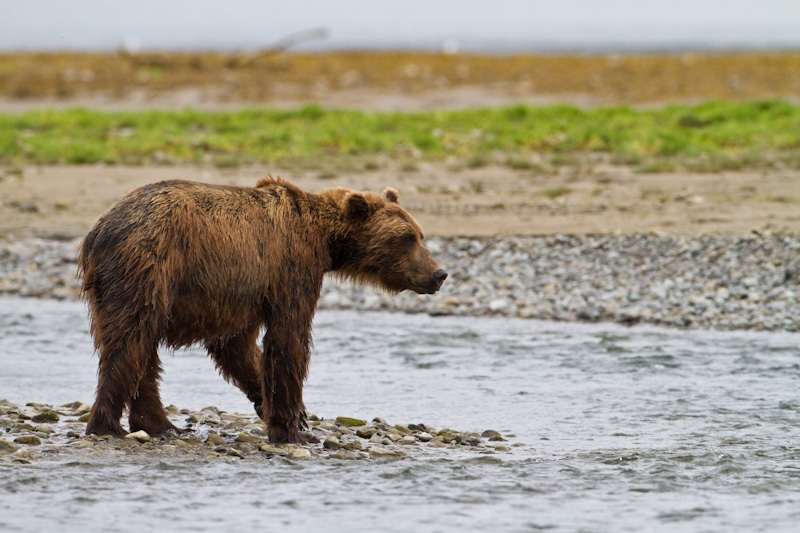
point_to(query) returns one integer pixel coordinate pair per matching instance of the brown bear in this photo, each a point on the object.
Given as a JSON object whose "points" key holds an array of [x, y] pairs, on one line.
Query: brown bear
{"points": [[180, 262]]}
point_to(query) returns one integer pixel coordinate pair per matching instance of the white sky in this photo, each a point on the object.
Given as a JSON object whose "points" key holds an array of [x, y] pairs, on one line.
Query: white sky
{"points": [[105, 24]]}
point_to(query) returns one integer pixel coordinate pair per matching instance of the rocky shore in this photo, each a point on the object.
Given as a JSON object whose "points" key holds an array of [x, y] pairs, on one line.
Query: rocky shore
{"points": [[37, 431], [715, 281]]}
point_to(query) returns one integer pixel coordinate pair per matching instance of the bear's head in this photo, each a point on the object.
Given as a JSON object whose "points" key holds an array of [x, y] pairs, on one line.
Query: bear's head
{"points": [[384, 245]]}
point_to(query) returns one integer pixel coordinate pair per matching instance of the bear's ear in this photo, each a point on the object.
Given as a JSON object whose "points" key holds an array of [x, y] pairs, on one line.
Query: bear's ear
{"points": [[357, 208], [390, 195]]}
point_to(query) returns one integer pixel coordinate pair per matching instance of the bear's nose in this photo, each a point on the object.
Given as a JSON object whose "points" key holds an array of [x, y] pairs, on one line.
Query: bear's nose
{"points": [[440, 276]]}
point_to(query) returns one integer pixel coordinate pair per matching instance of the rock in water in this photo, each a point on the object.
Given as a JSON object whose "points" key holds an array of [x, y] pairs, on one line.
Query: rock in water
{"points": [[140, 436], [46, 417], [247, 437], [351, 422], [30, 440], [379, 452], [298, 453], [215, 440], [7, 447]]}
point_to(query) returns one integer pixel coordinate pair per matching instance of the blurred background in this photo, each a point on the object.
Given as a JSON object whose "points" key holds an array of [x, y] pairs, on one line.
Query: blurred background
{"points": [[500, 118]]}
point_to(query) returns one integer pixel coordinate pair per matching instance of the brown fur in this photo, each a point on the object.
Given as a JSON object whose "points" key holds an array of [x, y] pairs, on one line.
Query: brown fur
{"points": [[179, 262]]}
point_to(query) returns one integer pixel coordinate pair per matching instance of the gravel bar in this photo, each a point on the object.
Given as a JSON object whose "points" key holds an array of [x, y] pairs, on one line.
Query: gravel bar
{"points": [[40, 432], [715, 281]]}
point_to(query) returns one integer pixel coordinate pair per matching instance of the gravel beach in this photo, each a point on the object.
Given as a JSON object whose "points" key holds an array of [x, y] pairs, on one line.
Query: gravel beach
{"points": [[717, 281], [39, 431]]}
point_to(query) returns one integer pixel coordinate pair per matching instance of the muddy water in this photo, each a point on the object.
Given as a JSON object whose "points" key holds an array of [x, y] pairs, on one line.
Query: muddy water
{"points": [[639, 429]]}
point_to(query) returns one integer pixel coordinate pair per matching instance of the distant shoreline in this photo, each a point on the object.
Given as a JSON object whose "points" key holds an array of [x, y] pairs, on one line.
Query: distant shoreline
{"points": [[390, 80], [714, 281]]}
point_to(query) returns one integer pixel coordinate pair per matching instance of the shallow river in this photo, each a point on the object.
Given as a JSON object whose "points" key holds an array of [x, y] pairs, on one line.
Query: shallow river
{"points": [[621, 429]]}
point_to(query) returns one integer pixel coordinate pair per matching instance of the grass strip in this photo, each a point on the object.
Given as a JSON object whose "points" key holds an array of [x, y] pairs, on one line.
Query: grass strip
{"points": [[721, 130]]}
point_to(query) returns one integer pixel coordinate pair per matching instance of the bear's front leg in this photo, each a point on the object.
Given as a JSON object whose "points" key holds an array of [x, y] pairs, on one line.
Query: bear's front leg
{"points": [[283, 371]]}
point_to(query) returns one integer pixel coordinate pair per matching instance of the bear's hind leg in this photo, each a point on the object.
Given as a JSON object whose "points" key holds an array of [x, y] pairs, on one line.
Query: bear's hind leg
{"points": [[146, 411], [120, 370], [238, 359]]}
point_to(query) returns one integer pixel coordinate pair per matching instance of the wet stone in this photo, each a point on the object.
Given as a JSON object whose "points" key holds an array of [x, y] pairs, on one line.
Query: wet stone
{"points": [[140, 436], [247, 437], [245, 447], [23, 456], [351, 422], [344, 455], [380, 452], [298, 453], [331, 443], [268, 448], [365, 432], [425, 437], [7, 447], [353, 446], [30, 440], [215, 440]]}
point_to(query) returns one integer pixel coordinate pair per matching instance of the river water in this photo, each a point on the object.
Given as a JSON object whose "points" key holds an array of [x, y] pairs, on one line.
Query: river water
{"points": [[616, 429]]}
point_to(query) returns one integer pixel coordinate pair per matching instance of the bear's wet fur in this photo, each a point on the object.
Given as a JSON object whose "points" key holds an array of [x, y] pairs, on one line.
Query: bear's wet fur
{"points": [[179, 262]]}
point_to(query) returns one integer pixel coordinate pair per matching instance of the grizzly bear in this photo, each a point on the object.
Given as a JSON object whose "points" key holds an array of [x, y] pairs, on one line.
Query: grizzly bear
{"points": [[180, 262]]}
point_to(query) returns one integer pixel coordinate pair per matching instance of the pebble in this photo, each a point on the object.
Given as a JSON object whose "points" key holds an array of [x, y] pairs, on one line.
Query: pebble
{"points": [[381, 452], [140, 436], [215, 440], [247, 437], [365, 432], [30, 440], [47, 417], [298, 453], [350, 422], [7, 447], [23, 456]]}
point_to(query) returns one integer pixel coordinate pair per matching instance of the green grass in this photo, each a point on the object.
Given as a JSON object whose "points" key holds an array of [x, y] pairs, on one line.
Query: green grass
{"points": [[716, 135]]}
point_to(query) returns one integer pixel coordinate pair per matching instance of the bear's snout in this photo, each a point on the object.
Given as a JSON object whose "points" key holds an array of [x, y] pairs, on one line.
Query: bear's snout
{"points": [[440, 275], [436, 281]]}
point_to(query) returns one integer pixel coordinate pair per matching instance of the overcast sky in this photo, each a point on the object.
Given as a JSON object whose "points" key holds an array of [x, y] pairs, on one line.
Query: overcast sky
{"points": [[489, 25]]}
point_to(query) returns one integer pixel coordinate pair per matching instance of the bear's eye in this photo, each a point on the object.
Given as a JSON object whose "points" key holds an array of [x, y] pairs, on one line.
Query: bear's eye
{"points": [[409, 239]]}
